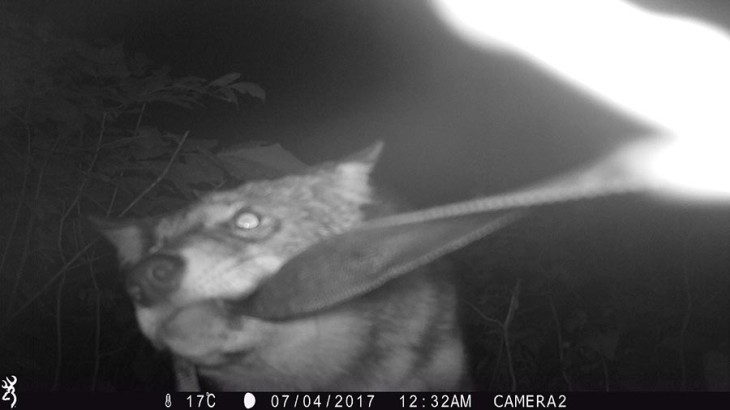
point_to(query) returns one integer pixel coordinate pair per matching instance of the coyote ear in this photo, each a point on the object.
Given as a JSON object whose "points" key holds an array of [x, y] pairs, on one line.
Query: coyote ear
{"points": [[352, 174], [357, 167], [128, 236], [368, 156], [348, 178]]}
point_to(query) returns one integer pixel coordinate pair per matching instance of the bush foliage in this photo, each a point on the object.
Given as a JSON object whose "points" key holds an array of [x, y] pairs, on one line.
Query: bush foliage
{"points": [[76, 142]]}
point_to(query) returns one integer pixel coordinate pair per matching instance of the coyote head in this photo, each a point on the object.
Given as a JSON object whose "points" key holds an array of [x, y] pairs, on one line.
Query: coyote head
{"points": [[182, 269]]}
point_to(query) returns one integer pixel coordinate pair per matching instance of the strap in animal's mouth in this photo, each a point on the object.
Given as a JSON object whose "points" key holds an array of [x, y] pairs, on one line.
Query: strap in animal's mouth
{"points": [[356, 262]]}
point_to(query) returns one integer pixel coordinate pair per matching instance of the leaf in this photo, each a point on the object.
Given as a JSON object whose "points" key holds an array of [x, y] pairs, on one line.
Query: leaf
{"points": [[256, 159], [59, 108], [110, 55], [117, 70], [171, 100], [138, 64], [148, 145], [251, 89], [194, 169], [199, 144], [150, 85], [227, 95], [225, 80], [191, 79]]}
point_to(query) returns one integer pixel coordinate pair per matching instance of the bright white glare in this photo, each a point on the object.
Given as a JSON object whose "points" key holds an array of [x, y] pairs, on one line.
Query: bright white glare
{"points": [[671, 72], [677, 166]]}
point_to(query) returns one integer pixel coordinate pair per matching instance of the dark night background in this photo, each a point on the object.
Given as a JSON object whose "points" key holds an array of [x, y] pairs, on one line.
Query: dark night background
{"points": [[635, 289]]}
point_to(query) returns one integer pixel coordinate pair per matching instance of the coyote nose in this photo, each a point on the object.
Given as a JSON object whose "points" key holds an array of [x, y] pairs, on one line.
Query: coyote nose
{"points": [[154, 278]]}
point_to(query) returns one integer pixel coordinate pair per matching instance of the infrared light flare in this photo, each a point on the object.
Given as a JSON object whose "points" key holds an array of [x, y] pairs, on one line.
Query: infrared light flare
{"points": [[670, 72]]}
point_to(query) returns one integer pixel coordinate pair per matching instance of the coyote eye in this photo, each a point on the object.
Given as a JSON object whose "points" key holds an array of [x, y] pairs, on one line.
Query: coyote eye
{"points": [[252, 226], [247, 220]]}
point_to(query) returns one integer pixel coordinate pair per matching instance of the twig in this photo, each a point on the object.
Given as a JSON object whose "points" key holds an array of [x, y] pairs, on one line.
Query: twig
{"points": [[78, 254], [485, 317], [59, 335], [159, 177], [83, 184], [498, 324], [59, 295], [513, 305], [16, 213], [139, 118], [561, 354], [687, 315], [114, 198], [97, 327], [497, 362], [29, 227], [504, 328]]}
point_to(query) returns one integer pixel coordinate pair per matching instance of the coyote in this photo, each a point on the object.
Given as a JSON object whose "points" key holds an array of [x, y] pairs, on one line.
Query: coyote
{"points": [[185, 269]]}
